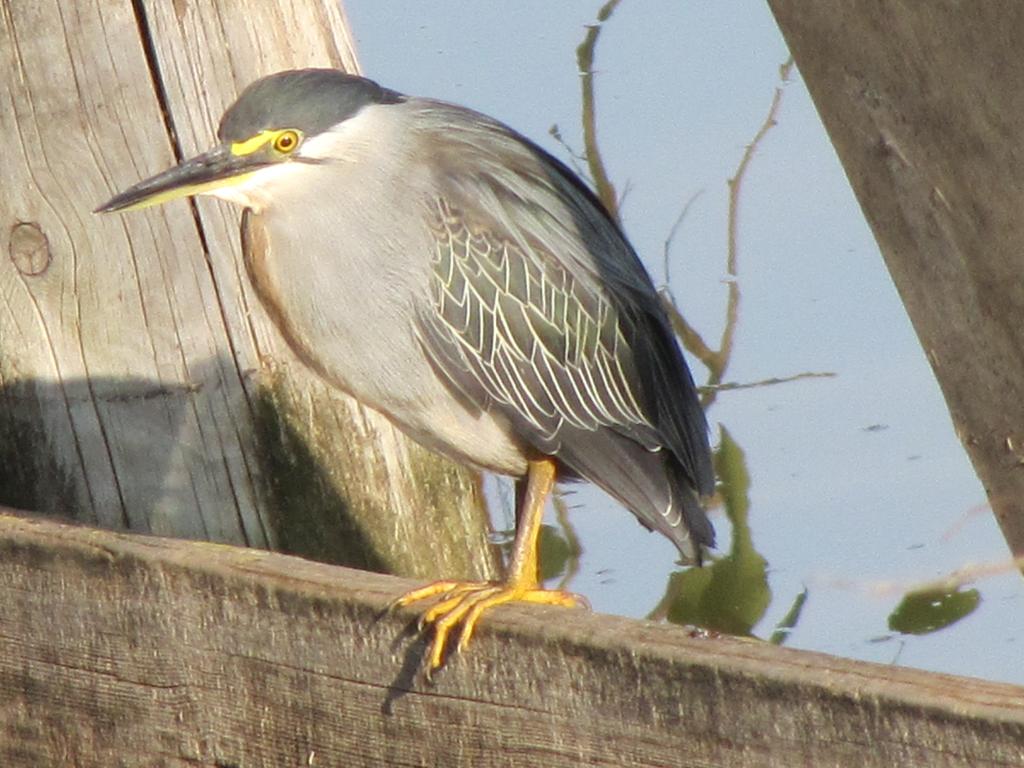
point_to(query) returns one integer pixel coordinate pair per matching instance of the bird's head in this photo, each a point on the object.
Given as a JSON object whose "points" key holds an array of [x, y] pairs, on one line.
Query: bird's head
{"points": [[279, 127]]}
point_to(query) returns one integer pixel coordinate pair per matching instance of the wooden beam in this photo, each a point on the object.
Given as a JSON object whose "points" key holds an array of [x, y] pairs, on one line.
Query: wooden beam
{"points": [[119, 649], [141, 384], [923, 103]]}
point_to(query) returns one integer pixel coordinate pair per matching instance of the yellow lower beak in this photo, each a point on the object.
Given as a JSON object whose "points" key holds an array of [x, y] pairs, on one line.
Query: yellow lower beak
{"points": [[215, 169]]}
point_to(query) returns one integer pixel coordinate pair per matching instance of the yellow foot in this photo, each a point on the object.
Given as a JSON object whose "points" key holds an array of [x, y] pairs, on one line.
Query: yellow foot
{"points": [[464, 602]]}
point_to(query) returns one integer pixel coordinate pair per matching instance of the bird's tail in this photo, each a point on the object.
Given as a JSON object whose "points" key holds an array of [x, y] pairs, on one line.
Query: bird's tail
{"points": [[648, 483]]}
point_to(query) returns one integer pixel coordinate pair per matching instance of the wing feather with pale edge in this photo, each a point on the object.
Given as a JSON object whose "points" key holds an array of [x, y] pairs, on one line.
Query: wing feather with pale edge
{"points": [[563, 345]]}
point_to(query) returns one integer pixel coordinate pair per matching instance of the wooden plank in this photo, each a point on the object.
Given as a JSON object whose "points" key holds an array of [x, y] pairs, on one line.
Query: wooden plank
{"points": [[141, 385], [119, 649], [922, 102]]}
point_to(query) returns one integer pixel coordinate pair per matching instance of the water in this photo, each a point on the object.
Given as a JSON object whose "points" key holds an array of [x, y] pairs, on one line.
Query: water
{"points": [[858, 488]]}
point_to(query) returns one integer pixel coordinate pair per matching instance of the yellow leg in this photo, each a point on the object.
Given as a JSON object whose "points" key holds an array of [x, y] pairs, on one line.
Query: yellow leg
{"points": [[463, 603]]}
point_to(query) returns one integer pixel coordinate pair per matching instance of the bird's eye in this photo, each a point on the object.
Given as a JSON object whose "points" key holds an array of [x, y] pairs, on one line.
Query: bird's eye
{"points": [[286, 141]]}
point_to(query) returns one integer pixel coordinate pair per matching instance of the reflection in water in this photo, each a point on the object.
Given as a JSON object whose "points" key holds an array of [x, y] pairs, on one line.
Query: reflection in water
{"points": [[717, 361], [924, 611], [730, 594], [787, 624], [585, 63], [573, 548]]}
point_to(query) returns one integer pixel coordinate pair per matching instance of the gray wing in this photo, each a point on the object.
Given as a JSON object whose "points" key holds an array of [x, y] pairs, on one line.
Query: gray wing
{"points": [[516, 331], [579, 375], [539, 308]]}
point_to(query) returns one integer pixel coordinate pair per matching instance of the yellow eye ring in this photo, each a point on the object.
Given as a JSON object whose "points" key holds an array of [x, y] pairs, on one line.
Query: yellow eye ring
{"points": [[286, 141]]}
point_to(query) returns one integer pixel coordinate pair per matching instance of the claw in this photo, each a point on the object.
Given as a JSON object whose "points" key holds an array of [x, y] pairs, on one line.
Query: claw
{"points": [[431, 590], [464, 603]]}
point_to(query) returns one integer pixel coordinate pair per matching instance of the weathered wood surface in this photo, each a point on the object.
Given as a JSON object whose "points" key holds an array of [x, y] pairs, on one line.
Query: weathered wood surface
{"points": [[125, 650], [923, 102], [141, 384]]}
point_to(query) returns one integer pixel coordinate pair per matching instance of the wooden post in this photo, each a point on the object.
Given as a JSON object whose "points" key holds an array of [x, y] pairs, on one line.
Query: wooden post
{"points": [[923, 102], [120, 649], [141, 384]]}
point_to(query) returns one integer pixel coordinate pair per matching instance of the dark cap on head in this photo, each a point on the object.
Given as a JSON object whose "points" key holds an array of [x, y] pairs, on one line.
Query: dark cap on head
{"points": [[311, 100]]}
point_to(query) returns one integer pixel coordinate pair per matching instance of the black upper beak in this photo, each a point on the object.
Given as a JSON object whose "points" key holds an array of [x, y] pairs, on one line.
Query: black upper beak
{"points": [[204, 173]]}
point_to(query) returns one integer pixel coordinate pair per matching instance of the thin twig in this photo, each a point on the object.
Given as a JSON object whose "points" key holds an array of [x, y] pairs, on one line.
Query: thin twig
{"points": [[724, 354], [572, 563], [667, 246], [690, 338], [967, 574], [576, 159], [585, 62], [732, 385]]}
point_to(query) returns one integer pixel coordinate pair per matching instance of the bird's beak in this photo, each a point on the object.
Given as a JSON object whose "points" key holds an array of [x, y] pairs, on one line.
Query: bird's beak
{"points": [[220, 167]]}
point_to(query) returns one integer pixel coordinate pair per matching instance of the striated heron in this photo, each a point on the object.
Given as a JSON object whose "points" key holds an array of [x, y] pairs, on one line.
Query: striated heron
{"points": [[449, 273]]}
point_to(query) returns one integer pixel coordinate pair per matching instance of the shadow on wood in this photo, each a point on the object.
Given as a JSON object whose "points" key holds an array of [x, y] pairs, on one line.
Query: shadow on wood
{"points": [[141, 384], [119, 649]]}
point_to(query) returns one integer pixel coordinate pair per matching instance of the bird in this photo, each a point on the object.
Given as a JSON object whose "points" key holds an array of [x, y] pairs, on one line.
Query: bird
{"points": [[451, 274]]}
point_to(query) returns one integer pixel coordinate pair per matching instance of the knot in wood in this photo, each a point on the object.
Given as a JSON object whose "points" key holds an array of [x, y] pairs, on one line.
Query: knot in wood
{"points": [[29, 248]]}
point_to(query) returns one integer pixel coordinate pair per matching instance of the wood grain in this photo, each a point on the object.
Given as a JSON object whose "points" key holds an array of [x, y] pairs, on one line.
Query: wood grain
{"points": [[120, 649], [141, 384]]}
